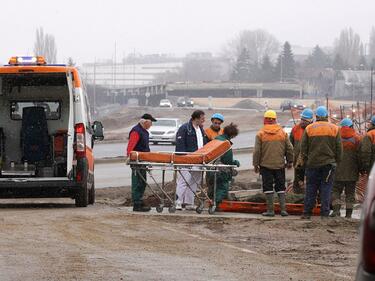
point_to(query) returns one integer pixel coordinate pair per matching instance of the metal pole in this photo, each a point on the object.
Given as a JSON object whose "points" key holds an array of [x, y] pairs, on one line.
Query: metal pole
{"points": [[371, 91]]}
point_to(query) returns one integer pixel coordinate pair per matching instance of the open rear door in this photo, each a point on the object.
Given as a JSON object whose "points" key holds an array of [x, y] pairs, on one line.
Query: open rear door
{"points": [[70, 148]]}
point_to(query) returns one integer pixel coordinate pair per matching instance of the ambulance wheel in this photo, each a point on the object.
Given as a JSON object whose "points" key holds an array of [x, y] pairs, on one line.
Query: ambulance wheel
{"points": [[211, 210], [159, 209], [82, 196], [92, 193], [172, 209]]}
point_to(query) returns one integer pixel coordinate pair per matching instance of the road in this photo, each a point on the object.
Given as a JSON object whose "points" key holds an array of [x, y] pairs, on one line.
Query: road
{"points": [[119, 174], [102, 150]]}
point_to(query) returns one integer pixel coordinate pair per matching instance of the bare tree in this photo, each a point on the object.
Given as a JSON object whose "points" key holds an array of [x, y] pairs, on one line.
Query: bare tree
{"points": [[348, 47], [45, 45], [259, 43]]}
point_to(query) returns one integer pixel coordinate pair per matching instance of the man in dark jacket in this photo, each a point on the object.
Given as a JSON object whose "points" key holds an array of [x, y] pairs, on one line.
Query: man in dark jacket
{"points": [[139, 141], [189, 138], [347, 171], [321, 151]]}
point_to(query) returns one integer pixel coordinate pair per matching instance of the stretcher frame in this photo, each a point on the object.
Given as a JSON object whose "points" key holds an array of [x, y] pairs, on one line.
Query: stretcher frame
{"points": [[212, 167]]}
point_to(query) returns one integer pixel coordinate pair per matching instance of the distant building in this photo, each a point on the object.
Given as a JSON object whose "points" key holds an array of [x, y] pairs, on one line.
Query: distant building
{"points": [[353, 84], [124, 75]]}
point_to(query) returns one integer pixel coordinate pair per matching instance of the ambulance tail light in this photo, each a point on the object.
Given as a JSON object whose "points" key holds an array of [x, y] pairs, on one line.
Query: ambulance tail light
{"points": [[80, 147]]}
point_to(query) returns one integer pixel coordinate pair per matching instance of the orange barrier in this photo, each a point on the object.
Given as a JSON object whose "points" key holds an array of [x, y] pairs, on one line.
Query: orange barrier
{"points": [[258, 208], [206, 154]]}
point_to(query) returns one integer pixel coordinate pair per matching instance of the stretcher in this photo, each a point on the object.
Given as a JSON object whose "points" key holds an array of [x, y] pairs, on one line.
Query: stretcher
{"points": [[203, 160], [258, 208]]}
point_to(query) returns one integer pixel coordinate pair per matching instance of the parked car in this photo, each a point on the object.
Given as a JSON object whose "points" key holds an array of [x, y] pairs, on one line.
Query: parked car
{"points": [[164, 130], [289, 125], [366, 265], [289, 104], [46, 132], [185, 101], [165, 103]]}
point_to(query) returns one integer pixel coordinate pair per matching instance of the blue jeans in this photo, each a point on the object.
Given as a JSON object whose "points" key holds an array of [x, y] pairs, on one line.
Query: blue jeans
{"points": [[321, 179]]}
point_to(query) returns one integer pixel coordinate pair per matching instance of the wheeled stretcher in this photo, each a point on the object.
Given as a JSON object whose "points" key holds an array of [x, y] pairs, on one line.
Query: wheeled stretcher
{"points": [[203, 160]]}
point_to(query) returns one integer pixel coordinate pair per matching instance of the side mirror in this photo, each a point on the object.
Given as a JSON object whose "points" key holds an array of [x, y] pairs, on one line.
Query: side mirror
{"points": [[98, 129]]}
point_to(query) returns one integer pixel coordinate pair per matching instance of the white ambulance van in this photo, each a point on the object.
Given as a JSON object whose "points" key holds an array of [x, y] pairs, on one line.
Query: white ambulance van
{"points": [[46, 132]]}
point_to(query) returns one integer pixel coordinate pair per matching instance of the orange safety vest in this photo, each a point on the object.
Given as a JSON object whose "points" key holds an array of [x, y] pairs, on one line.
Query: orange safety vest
{"points": [[211, 134]]}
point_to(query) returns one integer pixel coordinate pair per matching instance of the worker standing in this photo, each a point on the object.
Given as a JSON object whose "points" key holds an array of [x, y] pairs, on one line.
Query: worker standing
{"points": [[215, 129], [224, 177], [272, 152], [189, 138], [139, 141], [321, 151], [367, 151], [307, 116], [347, 171]]}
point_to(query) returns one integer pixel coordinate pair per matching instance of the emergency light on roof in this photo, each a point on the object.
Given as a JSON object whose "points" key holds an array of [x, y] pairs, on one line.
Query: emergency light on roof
{"points": [[29, 60]]}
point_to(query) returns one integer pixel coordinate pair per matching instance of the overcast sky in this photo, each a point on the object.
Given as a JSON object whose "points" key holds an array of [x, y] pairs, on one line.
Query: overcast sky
{"points": [[88, 29]]}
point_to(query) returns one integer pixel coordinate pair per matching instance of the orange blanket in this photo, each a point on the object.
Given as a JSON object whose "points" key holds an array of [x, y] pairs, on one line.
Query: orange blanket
{"points": [[206, 154]]}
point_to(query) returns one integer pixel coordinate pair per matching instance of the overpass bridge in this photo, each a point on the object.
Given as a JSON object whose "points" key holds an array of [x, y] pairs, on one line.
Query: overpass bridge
{"points": [[152, 93]]}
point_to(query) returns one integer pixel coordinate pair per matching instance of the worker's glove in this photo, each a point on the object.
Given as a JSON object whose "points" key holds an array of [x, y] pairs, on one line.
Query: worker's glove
{"points": [[127, 160], [256, 169], [237, 163], [289, 165], [300, 163]]}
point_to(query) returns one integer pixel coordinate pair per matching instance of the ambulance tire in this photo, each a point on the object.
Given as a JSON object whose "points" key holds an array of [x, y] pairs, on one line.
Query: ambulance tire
{"points": [[92, 193], [82, 196]]}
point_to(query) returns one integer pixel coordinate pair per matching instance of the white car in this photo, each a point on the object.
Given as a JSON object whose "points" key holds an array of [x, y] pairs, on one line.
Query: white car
{"points": [[164, 130], [289, 125], [165, 103]]}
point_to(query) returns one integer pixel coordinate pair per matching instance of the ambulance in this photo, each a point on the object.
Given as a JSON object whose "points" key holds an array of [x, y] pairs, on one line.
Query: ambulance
{"points": [[46, 132]]}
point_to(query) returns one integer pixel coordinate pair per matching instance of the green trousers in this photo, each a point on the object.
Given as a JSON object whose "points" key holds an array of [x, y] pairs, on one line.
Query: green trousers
{"points": [[138, 185], [349, 188], [222, 186]]}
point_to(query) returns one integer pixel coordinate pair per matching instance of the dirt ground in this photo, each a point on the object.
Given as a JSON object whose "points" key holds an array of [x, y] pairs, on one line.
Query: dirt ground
{"points": [[104, 242], [117, 125]]}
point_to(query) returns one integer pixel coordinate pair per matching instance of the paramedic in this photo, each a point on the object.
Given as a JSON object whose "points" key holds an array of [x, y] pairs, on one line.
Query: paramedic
{"points": [[224, 178], [189, 138], [139, 141]]}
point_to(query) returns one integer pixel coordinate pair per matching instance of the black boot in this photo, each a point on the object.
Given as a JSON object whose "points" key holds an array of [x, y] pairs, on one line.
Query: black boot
{"points": [[349, 213], [282, 203], [270, 210], [140, 207], [336, 211]]}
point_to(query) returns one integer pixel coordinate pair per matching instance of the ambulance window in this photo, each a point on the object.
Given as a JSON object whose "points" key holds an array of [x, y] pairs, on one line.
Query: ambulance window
{"points": [[51, 108]]}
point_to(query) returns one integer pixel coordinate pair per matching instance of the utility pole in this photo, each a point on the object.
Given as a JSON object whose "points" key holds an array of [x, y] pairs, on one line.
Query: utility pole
{"points": [[94, 85], [281, 68], [372, 71]]}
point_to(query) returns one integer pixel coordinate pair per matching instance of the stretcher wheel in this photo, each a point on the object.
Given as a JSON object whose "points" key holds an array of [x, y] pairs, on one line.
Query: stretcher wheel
{"points": [[211, 210], [172, 209], [159, 209], [199, 210]]}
